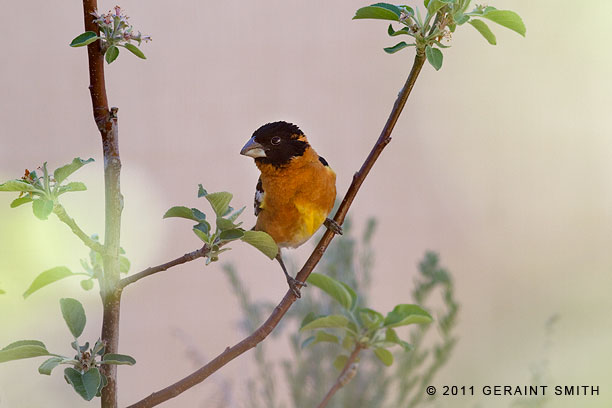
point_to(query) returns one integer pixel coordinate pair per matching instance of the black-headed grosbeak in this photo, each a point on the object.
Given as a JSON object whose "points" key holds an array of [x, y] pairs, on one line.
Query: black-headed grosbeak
{"points": [[296, 189]]}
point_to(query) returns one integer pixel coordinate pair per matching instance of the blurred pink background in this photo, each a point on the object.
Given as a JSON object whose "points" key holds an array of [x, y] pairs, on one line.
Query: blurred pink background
{"points": [[501, 162]]}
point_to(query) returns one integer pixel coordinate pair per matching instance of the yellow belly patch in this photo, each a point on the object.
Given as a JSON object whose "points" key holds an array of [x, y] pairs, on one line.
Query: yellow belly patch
{"points": [[311, 219]]}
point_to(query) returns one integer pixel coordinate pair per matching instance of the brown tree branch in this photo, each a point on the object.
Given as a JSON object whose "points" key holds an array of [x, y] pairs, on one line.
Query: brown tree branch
{"points": [[106, 121], [346, 375], [163, 267], [279, 311]]}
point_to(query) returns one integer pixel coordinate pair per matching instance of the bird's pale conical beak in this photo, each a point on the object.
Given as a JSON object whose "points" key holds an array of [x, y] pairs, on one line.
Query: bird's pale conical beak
{"points": [[253, 149]]}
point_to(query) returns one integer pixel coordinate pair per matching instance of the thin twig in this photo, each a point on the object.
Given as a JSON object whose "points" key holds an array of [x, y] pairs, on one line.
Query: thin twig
{"points": [[163, 267], [60, 211], [279, 311], [346, 375]]}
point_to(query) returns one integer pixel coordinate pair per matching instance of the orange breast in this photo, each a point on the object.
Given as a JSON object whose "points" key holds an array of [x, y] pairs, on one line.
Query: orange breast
{"points": [[297, 199]]}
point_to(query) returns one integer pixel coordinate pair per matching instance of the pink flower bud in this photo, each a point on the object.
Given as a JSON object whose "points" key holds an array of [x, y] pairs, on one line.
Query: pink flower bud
{"points": [[117, 11]]}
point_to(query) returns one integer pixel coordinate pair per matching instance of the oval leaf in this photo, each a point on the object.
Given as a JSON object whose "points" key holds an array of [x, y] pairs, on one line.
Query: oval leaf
{"points": [[340, 362], [326, 322], [118, 359], [484, 29], [74, 315], [111, 54], [508, 19], [17, 185], [231, 234], [384, 355], [23, 349], [47, 277], [262, 241], [72, 186], [322, 336], [403, 315], [84, 39], [434, 56], [219, 202], [19, 201], [48, 366], [397, 47], [181, 212], [42, 208], [61, 173], [135, 50], [332, 287], [224, 224], [379, 11]]}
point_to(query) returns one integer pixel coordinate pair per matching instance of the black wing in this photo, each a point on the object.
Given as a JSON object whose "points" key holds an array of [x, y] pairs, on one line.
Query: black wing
{"points": [[322, 160], [259, 193]]}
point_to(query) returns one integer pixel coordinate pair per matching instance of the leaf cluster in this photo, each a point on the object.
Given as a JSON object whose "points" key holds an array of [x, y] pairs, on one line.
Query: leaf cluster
{"points": [[441, 20], [43, 190], [227, 228], [83, 371], [115, 32], [359, 326]]}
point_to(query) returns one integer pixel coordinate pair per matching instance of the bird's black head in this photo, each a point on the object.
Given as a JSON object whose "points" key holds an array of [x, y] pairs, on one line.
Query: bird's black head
{"points": [[276, 143]]}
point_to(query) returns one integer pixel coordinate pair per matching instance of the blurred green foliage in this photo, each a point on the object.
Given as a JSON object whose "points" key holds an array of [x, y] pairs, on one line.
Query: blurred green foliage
{"points": [[309, 371]]}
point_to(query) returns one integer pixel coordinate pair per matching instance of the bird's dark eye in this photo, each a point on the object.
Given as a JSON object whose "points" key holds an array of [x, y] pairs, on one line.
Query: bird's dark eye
{"points": [[275, 140]]}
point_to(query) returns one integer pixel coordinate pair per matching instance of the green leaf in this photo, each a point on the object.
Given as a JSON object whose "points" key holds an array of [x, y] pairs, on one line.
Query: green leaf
{"points": [[72, 186], [203, 226], [182, 212], [112, 53], [19, 201], [506, 18], [135, 50], [18, 185], [403, 315], [236, 214], [225, 224], [198, 214], [461, 18], [103, 384], [201, 191], [20, 343], [124, 265], [231, 234], [326, 322], [348, 342], [340, 362], [48, 366], [310, 316], [392, 337], [23, 349], [322, 336], [352, 293], [333, 288], [384, 355], [219, 202], [370, 318], [434, 56], [61, 173], [262, 241], [87, 384], [74, 315], [201, 234], [87, 284], [397, 47], [393, 33], [307, 342], [484, 29], [42, 208], [379, 11], [84, 39], [47, 277], [118, 359]]}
